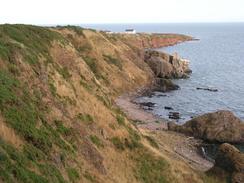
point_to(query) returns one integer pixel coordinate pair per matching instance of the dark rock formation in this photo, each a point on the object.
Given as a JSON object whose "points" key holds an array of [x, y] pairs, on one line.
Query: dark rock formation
{"points": [[167, 66], [230, 160], [174, 115], [221, 126], [164, 85], [208, 89], [168, 108]]}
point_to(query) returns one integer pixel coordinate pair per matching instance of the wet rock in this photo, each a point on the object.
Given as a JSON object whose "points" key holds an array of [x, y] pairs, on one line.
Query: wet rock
{"points": [[220, 127], [147, 104], [208, 89], [168, 108], [164, 85], [230, 160], [174, 115]]}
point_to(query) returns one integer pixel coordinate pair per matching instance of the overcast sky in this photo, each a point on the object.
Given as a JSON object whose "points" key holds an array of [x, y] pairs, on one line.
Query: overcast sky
{"points": [[120, 11]]}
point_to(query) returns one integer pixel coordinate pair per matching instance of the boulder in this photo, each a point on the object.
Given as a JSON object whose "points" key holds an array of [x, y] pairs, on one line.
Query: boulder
{"points": [[164, 85], [230, 160], [167, 66], [221, 126]]}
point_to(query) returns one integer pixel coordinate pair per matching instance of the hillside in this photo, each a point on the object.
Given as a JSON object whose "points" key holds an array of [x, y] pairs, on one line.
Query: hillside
{"points": [[58, 120]]}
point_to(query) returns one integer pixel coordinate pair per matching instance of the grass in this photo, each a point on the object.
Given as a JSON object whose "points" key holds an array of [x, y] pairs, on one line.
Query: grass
{"points": [[73, 175], [118, 143], [14, 166], [31, 41], [95, 140], [92, 63], [89, 177], [62, 129], [87, 118], [120, 119], [152, 141], [63, 71], [150, 169], [114, 61]]}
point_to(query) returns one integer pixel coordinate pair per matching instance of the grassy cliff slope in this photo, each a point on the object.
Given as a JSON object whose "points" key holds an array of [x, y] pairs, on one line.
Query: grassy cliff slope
{"points": [[58, 121]]}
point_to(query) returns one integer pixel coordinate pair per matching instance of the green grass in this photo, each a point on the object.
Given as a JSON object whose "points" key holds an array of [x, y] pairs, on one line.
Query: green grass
{"points": [[64, 72], [95, 140], [120, 120], [152, 141], [14, 166], [73, 175], [31, 41], [114, 61], [87, 118], [62, 129], [150, 169], [118, 143], [89, 177], [92, 63]]}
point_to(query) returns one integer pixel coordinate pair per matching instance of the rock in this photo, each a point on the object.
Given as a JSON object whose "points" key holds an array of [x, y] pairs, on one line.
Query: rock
{"points": [[220, 127], [167, 66], [208, 89], [174, 115], [168, 108], [231, 160], [147, 104], [164, 85]]}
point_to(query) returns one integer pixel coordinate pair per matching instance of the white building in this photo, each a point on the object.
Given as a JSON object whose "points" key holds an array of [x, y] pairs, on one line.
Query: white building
{"points": [[130, 31]]}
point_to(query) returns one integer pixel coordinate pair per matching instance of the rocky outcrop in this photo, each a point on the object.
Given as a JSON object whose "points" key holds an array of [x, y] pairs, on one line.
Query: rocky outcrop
{"points": [[221, 126], [231, 160], [164, 85], [167, 66]]}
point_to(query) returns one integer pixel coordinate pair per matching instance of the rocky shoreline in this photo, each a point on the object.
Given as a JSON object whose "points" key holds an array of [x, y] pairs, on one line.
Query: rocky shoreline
{"points": [[219, 127]]}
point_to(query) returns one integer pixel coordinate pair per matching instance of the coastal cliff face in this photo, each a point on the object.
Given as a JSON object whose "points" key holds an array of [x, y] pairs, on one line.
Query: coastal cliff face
{"points": [[58, 121]]}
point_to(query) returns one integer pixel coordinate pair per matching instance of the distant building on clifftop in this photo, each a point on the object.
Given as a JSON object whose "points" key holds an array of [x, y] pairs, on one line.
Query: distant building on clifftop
{"points": [[130, 31]]}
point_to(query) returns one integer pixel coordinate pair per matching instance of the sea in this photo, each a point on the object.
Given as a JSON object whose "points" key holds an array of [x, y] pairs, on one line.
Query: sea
{"points": [[217, 61]]}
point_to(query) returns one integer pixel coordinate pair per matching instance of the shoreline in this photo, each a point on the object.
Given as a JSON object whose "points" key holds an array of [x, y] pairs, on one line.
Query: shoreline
{"points": [[179, 146]]}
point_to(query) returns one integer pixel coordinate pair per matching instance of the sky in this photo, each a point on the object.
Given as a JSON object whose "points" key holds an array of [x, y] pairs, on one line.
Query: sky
{"points": [[44, 12]]}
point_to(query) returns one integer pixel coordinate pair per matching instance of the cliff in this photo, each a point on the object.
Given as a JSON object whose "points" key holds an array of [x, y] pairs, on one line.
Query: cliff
{"points": [[58, 121]]}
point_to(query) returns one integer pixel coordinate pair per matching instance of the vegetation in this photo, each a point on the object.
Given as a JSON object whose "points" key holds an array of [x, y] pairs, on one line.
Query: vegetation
{"points": [[87, 118], [118, 143], [73, 175], [120, 120], [114, 61], [150, 169], [152, 141], [30, 41], [92, 63], [95, 140]]}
